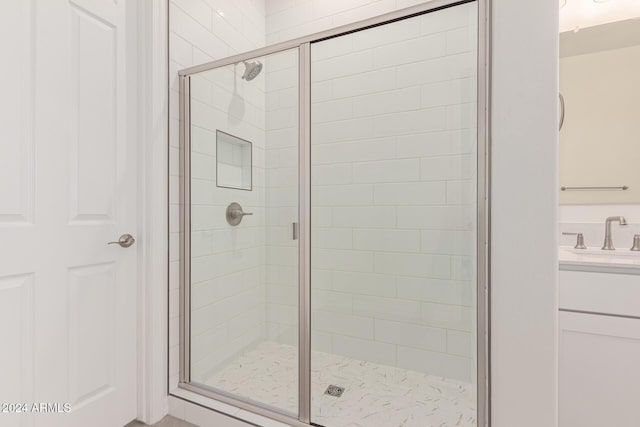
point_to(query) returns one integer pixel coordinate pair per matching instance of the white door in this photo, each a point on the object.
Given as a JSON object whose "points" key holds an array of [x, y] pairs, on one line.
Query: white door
{"points": [[67, 187]]}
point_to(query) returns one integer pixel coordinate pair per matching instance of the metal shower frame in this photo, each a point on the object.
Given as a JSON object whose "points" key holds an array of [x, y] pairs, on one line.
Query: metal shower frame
{"points": [[303, 44]]}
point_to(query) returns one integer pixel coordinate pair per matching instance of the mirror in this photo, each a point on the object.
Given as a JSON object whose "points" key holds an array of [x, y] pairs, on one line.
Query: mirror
{"points": [[233, 162], [600, 137]]}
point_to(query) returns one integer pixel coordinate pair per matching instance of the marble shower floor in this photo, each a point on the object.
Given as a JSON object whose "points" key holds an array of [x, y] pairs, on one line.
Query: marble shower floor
{"points": [[374, 396]]}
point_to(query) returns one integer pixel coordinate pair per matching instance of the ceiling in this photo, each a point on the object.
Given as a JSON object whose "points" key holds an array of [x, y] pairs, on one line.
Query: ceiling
{"points": [[587, 13]]}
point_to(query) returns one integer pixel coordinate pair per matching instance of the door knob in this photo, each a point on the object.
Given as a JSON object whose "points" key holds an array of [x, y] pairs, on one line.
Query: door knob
{"points": [[124, 241]]}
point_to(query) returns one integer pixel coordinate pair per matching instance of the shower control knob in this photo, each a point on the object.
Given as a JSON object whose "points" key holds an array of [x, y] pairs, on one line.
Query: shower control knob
{"points": [[235, 214]]}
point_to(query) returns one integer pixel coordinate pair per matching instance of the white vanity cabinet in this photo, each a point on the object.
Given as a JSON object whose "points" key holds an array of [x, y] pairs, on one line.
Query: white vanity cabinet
{"points": [[599, 371], [599, 349]]}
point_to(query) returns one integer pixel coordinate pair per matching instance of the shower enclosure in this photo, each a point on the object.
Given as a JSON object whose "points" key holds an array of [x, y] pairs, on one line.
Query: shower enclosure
{"points": [[333, 214]]}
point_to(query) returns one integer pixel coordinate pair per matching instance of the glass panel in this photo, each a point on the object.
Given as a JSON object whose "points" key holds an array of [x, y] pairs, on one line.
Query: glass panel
{"points": [[394, 223], [244, 268]]}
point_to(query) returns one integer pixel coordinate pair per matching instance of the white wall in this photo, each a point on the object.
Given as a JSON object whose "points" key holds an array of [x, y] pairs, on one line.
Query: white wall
{"points": [[524, 205], [598, 145], [599, 139]]}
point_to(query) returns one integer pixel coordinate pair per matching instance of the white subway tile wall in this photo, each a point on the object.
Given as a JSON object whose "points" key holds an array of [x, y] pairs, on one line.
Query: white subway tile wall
{"points": [[236, 302], [228, 293], [228, 311], [281, 71], [393, 188]]}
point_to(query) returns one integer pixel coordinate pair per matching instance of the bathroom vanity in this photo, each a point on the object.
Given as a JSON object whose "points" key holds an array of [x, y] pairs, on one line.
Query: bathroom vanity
{"points": [[599, 338]]}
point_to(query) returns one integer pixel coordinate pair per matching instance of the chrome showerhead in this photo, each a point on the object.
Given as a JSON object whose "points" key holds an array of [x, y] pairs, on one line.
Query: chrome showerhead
{"points": [[252, 69]]}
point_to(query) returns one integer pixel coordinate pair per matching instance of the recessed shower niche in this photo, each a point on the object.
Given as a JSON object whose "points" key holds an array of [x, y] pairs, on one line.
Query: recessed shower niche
{"points": [[233, 161]]}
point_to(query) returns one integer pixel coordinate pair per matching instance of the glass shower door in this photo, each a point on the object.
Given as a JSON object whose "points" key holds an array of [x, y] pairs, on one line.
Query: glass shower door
{"points": [[333, 195], [241, 252], [393, 246]]}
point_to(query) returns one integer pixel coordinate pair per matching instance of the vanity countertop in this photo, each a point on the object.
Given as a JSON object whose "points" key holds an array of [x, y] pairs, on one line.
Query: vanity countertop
{"points": [[621, 261]]}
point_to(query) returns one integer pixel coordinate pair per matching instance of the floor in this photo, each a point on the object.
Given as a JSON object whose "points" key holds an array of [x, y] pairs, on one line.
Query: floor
{"points": [[374, 395], [167, 421]]}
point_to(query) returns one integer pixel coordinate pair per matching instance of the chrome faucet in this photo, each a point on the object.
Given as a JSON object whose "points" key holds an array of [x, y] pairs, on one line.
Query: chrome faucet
{"points": [[608, 243]]}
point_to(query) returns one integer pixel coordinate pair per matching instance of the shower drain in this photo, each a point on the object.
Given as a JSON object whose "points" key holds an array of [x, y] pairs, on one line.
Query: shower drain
{"points": [[334, 390]]}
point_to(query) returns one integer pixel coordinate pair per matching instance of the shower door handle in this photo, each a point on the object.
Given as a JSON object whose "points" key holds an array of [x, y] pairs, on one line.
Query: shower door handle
{"points": [[124, 241]]}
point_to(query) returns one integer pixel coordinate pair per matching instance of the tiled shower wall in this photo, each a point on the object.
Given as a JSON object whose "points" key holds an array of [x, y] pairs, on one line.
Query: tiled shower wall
{"points": [[229, 296], [393, 191], [393, 219], [282, 196], [227, 262]]}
